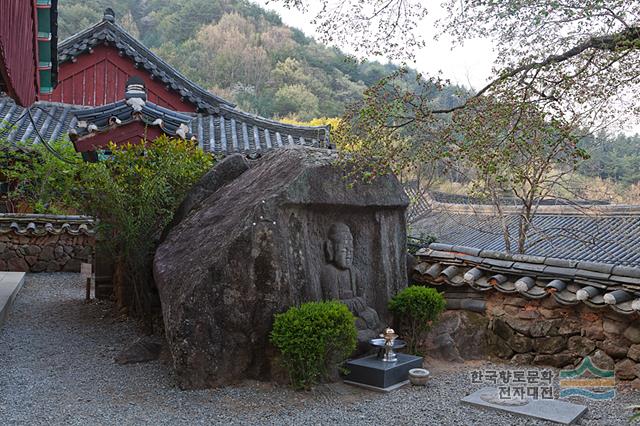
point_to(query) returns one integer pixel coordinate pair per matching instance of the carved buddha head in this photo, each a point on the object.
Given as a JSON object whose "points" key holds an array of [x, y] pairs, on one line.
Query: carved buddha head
{"points": [[339, 247]]}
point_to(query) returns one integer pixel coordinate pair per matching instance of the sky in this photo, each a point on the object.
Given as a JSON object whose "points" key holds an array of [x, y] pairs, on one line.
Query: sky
{"points": [[467, 65]]}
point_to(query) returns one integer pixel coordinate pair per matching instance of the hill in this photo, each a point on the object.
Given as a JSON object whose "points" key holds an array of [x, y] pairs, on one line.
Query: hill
{"points": [[239, 51]]}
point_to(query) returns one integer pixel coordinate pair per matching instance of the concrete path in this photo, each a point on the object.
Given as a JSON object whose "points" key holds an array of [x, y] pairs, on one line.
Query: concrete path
{"points": [[10, 284]]}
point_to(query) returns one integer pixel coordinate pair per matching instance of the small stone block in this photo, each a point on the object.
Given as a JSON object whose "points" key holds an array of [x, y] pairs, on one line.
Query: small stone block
{"points": [[10, 285], [373, 372], [546, 409]]}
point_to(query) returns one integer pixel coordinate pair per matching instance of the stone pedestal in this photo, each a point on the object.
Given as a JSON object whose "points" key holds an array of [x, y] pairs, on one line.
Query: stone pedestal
{"points": [[372, 373]]}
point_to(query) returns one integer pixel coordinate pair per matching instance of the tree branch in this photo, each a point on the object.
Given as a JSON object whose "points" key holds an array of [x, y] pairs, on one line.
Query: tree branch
{"points": [[610, 42]]}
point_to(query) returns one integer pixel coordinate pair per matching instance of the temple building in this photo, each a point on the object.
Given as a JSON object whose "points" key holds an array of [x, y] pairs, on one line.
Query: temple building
{"points": [[113, 89], [28, 40]]}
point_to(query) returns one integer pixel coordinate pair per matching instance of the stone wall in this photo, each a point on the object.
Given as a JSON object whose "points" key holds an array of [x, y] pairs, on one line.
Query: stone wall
{"points": [[539, 332], [544, 332], [42, 243], [50, 253]]}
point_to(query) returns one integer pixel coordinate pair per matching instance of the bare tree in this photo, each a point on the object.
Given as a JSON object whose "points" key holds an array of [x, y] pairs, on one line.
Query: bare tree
{"points": [[580, 56], [563, 67]]}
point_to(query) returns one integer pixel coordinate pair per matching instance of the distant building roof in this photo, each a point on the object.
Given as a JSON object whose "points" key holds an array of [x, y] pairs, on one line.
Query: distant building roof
{"points": [[444, 197], [605, 235], [109, 32]]}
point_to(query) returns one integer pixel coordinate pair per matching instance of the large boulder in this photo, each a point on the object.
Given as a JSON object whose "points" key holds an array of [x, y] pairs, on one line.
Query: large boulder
{"points": [[457, 336], [287, 230]]}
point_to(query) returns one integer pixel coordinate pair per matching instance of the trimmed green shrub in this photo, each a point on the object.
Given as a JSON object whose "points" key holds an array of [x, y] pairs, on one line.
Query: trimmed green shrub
{"points": [[415, 309], [313, 339]]}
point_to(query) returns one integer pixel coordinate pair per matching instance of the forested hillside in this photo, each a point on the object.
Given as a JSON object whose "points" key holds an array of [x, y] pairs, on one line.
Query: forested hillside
{"points": [[241, 52]]}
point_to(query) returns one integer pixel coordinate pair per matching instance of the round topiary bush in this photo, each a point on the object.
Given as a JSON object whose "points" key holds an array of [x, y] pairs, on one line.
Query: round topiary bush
{"points": [[415, 309], [313, 339]]}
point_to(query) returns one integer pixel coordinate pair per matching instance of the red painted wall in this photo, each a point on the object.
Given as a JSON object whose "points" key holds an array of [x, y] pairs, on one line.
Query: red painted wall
{"points": [[131, 133], [18, 64], [98, 78]]}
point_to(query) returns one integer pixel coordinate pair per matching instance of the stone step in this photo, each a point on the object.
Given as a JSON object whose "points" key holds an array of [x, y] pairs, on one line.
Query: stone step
{"points": [[10, 284]]}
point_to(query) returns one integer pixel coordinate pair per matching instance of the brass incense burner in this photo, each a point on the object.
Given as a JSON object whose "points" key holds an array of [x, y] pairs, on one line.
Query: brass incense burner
{"points": [[389, 336]]}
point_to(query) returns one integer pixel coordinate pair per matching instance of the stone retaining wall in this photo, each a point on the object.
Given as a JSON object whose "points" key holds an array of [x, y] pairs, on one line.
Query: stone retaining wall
{"points": [[544, 332], [534, 310], [50, 253], [43, 243], [540, 332]]}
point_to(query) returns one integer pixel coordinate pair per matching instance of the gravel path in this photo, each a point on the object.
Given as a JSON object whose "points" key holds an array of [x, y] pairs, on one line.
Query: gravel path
{"points": [[56, 367]]}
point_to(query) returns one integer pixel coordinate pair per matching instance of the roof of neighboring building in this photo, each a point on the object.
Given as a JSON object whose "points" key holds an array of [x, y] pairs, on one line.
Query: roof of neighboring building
{"points": [[53, 120], [570, 282], [226, 132], [44, 224], [448, 198], [604, 234], [109, 32], [218, 126]]}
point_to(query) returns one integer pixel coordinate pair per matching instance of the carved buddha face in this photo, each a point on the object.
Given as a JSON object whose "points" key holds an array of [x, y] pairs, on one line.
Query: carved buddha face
{"points": [[340, 246]]}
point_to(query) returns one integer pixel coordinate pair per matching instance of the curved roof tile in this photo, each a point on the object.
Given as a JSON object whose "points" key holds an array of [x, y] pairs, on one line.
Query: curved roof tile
{"points": [[42, 224]]}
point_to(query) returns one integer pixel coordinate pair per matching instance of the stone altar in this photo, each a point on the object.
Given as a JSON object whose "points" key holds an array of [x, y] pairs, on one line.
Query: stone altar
{"points": [[287, 230]]}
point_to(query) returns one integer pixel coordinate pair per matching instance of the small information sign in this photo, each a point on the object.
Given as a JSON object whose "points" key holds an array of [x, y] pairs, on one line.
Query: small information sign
{"points": [[85, 270]]}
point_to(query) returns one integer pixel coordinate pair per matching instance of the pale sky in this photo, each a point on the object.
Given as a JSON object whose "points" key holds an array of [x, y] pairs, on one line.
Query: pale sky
{"points": [[468, 65]]}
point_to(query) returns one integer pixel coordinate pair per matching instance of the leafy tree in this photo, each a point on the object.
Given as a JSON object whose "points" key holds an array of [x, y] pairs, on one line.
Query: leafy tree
{"points": [[40, 182], [297, 100], [528, 163], [562, 70], [133, 194]]}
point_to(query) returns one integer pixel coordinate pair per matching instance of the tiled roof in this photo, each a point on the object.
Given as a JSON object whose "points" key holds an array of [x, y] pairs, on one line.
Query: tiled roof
{"points": [[226, 132], [53, 120], [109, 32], [606, 237], [42, 224], [598, 285], [103, 118], [448, 198], [243, 131]]}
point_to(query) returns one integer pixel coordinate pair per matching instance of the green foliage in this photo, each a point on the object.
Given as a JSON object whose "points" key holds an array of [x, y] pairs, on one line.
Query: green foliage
{"points": [[313, 339], [416, 308], [134, 194], [41, 182], [296, 100], [612, 157]]}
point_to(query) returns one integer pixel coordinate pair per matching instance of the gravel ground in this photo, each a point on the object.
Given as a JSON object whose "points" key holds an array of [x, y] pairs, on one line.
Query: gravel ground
{"points": [[56, 367]]}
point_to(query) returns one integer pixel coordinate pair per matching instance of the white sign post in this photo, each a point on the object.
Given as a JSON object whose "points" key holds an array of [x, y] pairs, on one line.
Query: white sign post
{"points": [[85, 273]]}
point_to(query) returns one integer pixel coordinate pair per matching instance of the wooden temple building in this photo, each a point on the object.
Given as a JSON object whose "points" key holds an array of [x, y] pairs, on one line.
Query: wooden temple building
{"points": [[113, 89]]}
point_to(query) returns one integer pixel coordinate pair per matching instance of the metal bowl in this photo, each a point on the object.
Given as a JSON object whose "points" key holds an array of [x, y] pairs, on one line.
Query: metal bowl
{"points": [[379, 343]]}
